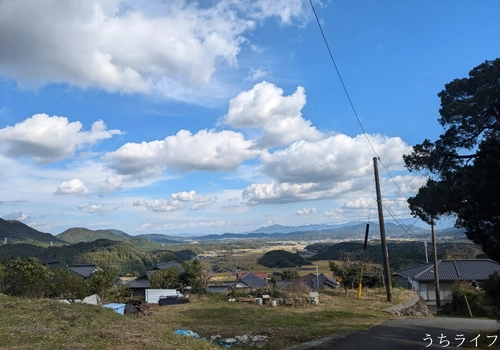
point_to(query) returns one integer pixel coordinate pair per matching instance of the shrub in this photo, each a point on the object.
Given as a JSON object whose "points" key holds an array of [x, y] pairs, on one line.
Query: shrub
{"points": [[478, 303], [491, 287]]}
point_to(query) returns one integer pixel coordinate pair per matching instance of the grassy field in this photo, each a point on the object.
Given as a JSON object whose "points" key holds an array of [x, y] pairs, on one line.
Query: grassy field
{"points": [[48, 324]]}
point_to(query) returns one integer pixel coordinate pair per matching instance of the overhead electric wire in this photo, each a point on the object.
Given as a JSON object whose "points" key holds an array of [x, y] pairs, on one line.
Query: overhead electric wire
{"points": [[349, 99]]}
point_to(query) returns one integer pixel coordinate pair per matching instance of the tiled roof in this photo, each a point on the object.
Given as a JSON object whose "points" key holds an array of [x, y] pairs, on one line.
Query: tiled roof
{"points": [[48, 260], [82, 270], [139, 283], [310, 280], [262, 275], [166, 265], [253, 281], [454, 270]]}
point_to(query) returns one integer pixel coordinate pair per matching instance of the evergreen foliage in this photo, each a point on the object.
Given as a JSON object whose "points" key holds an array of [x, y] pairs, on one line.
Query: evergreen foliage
{"points": [[282, 259], [464, 162], [165, 279], [26, 278], [290, 275]]}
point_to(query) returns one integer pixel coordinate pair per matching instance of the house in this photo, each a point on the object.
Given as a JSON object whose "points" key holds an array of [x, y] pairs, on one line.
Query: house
{"points": [[247, 281], [262, 275], [52, 262], [251, 281], [311, 281], [141, 283], [83, 271], [421, 277]]}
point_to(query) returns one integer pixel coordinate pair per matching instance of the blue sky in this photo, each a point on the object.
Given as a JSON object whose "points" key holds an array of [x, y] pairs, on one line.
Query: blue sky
{"points": [[222, 116]]}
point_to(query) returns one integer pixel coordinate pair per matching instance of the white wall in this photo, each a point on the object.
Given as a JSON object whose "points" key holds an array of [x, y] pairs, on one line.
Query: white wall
{"points": [[153, 295]]}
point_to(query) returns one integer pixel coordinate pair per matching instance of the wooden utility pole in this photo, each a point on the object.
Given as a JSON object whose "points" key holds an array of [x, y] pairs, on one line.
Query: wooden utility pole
{"points": [[385, 254], [436, 273]]}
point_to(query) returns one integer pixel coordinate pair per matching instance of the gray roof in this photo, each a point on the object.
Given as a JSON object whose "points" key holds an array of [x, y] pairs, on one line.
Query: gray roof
{"points": [[140, 283], [253, 281], [169, 264], [310, 280], [454, 270], [82, 270]]}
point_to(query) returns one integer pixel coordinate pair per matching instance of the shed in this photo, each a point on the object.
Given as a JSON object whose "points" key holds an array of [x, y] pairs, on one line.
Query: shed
{"points": [[153, 295]]}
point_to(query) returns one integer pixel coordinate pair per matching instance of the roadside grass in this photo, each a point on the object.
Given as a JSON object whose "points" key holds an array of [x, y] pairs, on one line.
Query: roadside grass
{"points": [[48, 324]]}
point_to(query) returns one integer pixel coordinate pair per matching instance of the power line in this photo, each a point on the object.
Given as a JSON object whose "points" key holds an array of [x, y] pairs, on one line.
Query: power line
{"points": [[349, 99]]}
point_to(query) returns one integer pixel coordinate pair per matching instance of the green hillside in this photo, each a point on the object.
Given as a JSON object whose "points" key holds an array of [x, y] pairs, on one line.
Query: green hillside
{"points": [[118, 232], [282, 259], [17, 232], [120, 257], [80, 234]]}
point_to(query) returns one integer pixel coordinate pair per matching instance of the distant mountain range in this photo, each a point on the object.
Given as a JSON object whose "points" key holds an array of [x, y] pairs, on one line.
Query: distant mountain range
{"points": [[17, 232]]}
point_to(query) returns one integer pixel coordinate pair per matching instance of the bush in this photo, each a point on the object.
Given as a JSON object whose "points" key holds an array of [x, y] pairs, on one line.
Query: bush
{"points": [[478, 302], [26, 278], [491, 287]]}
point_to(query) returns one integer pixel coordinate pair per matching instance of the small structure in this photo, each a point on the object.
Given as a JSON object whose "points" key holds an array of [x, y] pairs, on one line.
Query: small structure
{"points": [[154, 295], [420, 278], [314, 297], [311, 281], [251, 281], [83, 271], [141, 283], [52, 262], [116, 307]]}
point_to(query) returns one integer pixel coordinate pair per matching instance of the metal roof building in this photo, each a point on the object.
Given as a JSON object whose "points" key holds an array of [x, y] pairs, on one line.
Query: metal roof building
{"points": [[453, 270]]}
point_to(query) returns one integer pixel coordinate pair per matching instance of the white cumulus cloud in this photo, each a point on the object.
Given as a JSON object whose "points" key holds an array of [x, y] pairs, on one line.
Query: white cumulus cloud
{"points": [[74, 186], [305, 211], [328, 168], [128, 46], [206, 150], [280, 117], [177, 201], [48, 139]]}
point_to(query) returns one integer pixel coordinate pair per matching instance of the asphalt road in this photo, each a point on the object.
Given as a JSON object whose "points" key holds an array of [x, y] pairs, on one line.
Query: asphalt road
{"points": [[409, 334]]}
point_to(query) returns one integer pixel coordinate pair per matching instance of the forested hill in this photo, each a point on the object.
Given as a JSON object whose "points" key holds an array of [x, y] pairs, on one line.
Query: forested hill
{"points": [[80, 234], [17, 232], [120, 257]]}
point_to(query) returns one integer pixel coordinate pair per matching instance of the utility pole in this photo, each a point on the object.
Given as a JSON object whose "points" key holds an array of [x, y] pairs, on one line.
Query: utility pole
{"points": [[436, 273], [426, 254], [385, 254]]}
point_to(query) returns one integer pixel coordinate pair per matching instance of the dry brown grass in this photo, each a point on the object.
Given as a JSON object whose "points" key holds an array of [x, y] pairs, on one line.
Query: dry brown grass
{"points": [[47, 324]]}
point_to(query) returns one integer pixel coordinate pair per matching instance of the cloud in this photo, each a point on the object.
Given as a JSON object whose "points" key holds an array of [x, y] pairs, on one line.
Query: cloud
{"points": [[82, 206], [280, 117], [305, 211], [18, 216], [74, 186], [96, 209], [337, 158], [360, 203], [49, 139], [329, 168], [256, 74], [268, 193], [112, 183], [287, 11], [176, 202], [127, 46], [206, 150]]}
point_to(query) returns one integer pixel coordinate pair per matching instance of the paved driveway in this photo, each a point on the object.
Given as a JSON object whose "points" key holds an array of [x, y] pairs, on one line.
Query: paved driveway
{"points": [[409, 334]]}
